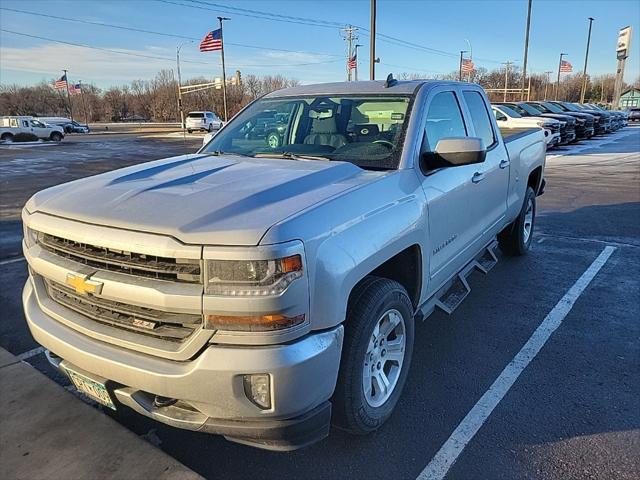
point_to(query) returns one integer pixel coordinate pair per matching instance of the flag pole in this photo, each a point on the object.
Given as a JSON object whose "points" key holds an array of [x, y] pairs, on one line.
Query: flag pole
{"points": [[66, 78], [558, 81], [224, 75]]}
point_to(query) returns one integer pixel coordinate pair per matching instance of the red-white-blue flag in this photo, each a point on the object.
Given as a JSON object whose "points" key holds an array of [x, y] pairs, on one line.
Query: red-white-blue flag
{"points": [[566, 67], [75, 89], [352, 63], [212, 41], [61, 83]]}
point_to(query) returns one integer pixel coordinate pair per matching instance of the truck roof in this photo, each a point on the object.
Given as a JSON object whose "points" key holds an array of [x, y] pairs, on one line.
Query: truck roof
{"points": [[402, 87]]}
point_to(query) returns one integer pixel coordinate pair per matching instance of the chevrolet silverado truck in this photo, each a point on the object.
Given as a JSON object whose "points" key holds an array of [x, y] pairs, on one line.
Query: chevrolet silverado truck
{"points": [[263, 293]]}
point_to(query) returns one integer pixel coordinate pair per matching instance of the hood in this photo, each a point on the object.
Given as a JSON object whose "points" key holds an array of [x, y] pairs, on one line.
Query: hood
{"points": [[209, 200], [559, 116]]}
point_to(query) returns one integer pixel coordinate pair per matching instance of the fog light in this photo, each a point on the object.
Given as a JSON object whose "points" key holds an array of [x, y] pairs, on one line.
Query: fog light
{"points": [[257, 388]]}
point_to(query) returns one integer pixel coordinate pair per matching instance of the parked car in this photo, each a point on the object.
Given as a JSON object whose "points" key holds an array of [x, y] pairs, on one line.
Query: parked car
{"points": [[13, 125], [507, 117], [567, 123], [257, 292], [590, 121], [614, 119], [68, 125], [622, 116], [602, 120], [207, 121], [634, 114]]}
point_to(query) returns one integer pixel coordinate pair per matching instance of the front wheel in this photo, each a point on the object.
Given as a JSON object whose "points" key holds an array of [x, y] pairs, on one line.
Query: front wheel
{"points": [[515, 240], [376, 355], [210, 128], [56, 137]]}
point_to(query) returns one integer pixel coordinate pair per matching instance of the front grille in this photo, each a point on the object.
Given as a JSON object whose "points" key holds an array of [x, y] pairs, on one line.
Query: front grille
{"points": [[138, 264], [554, 128], [174, 327]]}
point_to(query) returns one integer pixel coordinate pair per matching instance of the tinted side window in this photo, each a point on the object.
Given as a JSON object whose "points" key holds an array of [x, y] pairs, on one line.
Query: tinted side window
{"points": [[444, 119], [480, 117]]}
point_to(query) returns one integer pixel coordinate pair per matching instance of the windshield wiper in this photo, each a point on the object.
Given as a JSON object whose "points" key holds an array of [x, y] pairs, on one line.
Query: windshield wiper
{"points": [[291, 156], [217, 153]]}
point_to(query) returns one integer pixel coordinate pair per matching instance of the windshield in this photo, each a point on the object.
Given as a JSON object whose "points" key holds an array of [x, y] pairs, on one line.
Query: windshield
{"points": [[519, 109], [553, 108], [510, 111], [529, 109], [365, 130]]}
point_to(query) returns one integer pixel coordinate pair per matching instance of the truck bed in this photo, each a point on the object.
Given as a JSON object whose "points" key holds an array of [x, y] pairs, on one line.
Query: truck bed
{"points": [[511, 134]]}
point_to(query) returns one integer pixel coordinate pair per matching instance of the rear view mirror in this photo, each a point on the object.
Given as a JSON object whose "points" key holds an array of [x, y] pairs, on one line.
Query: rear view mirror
{"points": [[455, 152]]}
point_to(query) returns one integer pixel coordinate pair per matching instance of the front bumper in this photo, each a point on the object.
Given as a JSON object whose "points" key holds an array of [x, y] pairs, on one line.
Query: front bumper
{"points": [[208, 389]]}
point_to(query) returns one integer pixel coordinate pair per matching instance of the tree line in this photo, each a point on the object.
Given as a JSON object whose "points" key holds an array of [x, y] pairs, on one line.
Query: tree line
{"points": [[157, 99], [141, 100]]}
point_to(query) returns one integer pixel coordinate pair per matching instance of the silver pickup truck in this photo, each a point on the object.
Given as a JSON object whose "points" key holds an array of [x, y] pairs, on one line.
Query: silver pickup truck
{"points": [[263, 290]]}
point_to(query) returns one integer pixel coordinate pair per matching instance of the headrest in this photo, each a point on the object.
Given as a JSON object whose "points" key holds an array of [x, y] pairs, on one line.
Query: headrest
{"points": [[324, 125]]}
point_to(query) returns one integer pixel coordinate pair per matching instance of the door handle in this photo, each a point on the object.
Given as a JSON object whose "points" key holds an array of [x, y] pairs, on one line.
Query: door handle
{"points": [[504, 163], [477, 177]]}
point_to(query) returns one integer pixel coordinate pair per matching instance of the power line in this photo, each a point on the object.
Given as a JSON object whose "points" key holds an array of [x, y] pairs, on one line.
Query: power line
{"points": [[172, 35], [155, 57]]}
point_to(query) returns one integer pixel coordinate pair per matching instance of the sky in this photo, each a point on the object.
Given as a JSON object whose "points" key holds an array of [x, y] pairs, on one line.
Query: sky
{"points": [[309, 47]]}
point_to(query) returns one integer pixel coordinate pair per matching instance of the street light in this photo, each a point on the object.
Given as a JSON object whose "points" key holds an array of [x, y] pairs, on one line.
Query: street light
{"points": [[583, 92], [180, 82]]}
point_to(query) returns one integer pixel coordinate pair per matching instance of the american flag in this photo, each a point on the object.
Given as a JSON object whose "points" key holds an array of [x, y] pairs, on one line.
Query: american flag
{"points": [[352, 63], [212, 41], [61, 83], [467, 65], [566, 66], [75, 89]]}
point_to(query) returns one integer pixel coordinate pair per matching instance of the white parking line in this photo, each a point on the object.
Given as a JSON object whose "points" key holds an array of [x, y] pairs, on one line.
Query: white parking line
{"points": [[31, 353], [466, 430], [11, 260]]}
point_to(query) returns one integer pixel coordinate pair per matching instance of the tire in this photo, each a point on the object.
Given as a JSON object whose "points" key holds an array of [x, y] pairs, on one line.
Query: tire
{"points": [[7, 137], [515, 240], [67, 130], [273, 140], [56, 137], [374, 302], [189, 131], [210, 128]]}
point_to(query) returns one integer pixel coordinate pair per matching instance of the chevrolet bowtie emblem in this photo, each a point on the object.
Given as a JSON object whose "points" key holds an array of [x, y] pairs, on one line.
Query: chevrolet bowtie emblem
{"points": [[83, 285]]}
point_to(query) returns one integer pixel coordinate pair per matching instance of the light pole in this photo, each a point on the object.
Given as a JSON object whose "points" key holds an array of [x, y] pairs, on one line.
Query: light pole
{"points": [[180, 82], [462, 52], [526, 51], [558, 81], [546, 85], [372, 43], [583, 92]]}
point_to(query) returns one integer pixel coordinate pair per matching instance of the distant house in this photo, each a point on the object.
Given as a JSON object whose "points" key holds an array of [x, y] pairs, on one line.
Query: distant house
{"points": [[630, 98]]}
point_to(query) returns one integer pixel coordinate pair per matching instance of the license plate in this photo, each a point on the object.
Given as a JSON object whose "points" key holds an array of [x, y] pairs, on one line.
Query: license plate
{"points": [[92, 389]]}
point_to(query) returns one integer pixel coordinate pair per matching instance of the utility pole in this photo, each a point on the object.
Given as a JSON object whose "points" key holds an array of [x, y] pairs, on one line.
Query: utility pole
{"points": [[68, 95], [350, 36], [356, 55], [558, 82], [224, 75], [583, 92], [506, 78], [546, 85], [372, 43], [84, 105], [180, 107], [526, 50], [462, 52]]}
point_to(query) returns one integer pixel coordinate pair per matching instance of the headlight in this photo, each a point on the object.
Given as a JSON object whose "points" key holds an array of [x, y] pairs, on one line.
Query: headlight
{"points": [[251, 278], [30, 236]]}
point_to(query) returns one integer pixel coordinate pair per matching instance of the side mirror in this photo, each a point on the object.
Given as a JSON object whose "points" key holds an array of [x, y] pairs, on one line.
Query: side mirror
{"points": [[207, 138], [455, 152]]}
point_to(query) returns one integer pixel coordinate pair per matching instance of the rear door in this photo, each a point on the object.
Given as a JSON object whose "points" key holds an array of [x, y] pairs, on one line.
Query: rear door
{"points": [[491, 178]]}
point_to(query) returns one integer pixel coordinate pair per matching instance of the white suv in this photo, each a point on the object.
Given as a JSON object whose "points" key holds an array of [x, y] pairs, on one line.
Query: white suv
{"points": [[207, 121]]}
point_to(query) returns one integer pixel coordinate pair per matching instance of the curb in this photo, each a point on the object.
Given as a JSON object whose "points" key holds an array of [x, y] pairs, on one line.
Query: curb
{"points": [[46, 432]]}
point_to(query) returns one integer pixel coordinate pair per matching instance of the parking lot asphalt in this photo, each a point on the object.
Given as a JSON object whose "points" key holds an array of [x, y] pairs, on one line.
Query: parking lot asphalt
{"points": [[574, 410]]}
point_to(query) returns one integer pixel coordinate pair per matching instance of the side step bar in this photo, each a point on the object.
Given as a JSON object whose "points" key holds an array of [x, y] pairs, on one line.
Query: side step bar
{"points": [[453, 293]]}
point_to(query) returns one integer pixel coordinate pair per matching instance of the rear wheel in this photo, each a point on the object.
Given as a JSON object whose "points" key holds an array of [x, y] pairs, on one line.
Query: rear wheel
{"points": [[7, 137], [376, 355], [515, 240], [56, 136], [189, 131]]}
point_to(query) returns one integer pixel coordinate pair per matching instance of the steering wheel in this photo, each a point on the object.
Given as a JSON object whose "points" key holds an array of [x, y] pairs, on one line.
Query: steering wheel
{"points": [[386, 143]]}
